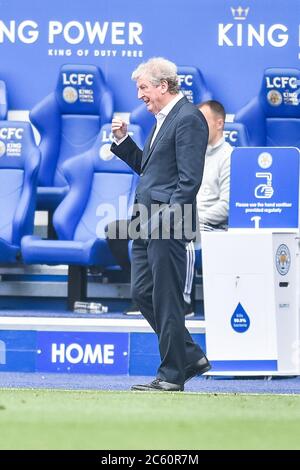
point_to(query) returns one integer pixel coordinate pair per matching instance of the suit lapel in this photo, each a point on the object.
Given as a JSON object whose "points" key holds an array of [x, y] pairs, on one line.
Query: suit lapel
{"points": [[167, 122], [147, 145]]}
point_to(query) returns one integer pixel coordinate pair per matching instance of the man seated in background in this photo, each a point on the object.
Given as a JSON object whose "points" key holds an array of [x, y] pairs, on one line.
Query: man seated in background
{"points": [[213, 195], [212, 198]]}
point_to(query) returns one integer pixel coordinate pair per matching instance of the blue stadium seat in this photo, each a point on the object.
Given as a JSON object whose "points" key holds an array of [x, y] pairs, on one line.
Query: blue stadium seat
{"points": [[69, 121], [3, 100], [272, 117], [193, 87], [236, 134], [101, 190], [19, 164]]}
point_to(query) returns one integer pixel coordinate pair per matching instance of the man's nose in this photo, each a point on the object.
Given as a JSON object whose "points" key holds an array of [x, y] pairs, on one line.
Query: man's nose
{"points": [[140, 94]]}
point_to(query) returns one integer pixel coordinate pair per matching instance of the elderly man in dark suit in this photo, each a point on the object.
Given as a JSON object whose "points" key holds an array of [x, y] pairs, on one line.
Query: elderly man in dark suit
{"points": [[170, 169]]}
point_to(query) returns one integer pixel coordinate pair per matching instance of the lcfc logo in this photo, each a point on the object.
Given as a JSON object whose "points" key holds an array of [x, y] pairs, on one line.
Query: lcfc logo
{"points": [[8, 133], [230, 136], [70, 94], [105, 153], [186, 80], [283, 259], [2, 148], [265, 160], [77, 79], [281, 82], [274, 98]]}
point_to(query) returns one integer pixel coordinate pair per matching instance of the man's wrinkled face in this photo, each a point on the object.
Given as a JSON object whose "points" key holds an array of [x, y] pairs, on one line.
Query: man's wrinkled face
{"points": [[151, 95]]}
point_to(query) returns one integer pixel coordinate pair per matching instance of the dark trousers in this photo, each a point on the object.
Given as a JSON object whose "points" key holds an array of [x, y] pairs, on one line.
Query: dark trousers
{"points": [[158, 275]]}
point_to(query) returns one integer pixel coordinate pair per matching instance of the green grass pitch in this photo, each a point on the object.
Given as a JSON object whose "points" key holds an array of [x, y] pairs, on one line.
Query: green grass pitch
{"points": [[48, 419]]}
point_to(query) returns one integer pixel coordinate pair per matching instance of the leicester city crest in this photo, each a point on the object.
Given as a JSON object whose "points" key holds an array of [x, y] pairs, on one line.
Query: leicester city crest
{"points": [[283, 259]]}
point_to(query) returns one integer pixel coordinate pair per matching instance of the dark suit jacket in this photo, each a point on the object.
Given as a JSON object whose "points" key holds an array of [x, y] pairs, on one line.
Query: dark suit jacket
{"points": [[171, 171]]}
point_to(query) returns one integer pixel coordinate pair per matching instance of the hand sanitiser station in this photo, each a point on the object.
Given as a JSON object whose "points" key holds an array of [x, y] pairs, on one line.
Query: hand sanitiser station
{"points": [[251, 274]]}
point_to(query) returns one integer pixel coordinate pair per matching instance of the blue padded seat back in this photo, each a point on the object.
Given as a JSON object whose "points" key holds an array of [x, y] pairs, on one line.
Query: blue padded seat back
{"points": [[102, 189], [78, 134], [19, 163], [278, 94], [283, 132], [81, 89], [236, 134], [113, 187], [193, 87], [109, 197], [279, 99], [3, 100], [104, 159], [70, 118], [16, 140], [270, 116], [11, 182]]}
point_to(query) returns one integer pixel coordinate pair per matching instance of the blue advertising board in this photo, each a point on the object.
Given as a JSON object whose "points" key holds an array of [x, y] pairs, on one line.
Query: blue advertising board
{"points": [[264, 188], [70, 352], [230, 42], [17, 351], [83, 352]]}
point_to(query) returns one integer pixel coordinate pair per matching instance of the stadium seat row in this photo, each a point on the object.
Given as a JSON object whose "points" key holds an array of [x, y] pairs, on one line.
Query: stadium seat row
{"points": [[70, 118], [94, 187], [101, 189]]}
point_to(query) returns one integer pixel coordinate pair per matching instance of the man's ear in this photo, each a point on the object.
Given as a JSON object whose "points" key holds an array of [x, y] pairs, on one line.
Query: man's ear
{"points": [[220, 124], [164, 86]]}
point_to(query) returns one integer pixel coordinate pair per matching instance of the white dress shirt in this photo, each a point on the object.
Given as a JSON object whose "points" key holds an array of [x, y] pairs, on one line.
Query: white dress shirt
{"points": [[161, 116]]}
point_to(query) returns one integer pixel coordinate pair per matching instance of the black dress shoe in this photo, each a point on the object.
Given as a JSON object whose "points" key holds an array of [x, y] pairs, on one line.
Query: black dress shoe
{"points": [[198, 368], [158, 385]]}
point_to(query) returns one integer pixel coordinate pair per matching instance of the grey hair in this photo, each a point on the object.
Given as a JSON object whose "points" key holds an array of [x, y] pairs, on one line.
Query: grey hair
{"points": [[156, 70]]}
